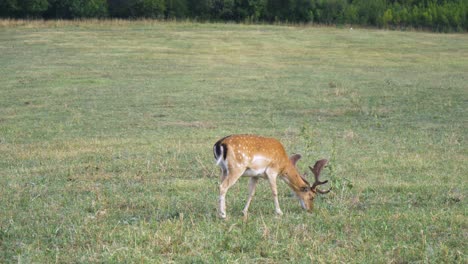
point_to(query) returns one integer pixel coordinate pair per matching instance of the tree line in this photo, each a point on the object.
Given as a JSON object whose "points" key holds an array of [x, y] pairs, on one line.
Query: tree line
{"points": [[438, 15]]}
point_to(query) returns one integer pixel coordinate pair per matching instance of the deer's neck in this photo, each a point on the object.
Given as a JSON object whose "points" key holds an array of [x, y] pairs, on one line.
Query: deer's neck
{"points": [[294, 180]]}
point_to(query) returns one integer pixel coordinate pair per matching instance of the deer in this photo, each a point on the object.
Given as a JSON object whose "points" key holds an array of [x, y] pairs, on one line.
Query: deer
{"points": [[263, 157]]}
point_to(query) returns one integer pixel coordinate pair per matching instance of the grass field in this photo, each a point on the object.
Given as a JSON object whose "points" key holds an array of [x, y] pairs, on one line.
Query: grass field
{"points": [[107, 127]]}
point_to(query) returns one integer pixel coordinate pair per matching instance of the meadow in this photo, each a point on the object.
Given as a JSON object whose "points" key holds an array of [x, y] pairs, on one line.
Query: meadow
{"points": [[107, 128]]}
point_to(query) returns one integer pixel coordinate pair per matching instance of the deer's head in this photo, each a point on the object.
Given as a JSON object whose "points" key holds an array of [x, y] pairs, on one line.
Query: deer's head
{"points": [[308, 193]]}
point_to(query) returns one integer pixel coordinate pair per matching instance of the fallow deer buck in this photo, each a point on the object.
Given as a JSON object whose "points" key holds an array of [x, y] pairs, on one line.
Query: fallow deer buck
{"points": [[255, 157]]}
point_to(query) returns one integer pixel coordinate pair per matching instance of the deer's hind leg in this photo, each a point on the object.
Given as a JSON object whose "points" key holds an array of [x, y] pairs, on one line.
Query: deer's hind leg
{"points": [[227, 181]]}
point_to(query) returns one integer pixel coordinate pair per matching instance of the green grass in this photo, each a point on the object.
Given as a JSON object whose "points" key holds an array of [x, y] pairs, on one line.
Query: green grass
{"points": [[106, 133]]}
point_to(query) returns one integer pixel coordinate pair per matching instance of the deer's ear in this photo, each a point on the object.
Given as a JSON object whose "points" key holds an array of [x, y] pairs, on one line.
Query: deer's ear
{"points": [[294, 158]]}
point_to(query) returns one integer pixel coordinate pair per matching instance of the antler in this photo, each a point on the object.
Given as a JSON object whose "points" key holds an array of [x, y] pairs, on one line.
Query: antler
{"points": [[316, 171]]}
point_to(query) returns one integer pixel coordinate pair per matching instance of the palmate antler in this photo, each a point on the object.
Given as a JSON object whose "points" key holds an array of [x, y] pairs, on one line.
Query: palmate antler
{"points": [[319, 165]]}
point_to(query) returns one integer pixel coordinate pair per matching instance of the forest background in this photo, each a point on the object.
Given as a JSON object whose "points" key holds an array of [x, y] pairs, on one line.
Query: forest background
{"points": [[435, 15]]}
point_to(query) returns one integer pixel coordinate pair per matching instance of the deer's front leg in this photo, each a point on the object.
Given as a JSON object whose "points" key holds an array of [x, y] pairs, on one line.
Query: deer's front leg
{"points": [[271, 174]]}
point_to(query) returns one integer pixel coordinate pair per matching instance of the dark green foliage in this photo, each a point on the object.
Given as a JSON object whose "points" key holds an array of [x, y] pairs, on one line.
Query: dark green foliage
{"points": [[119, 8], [8, 8], [176, 9], [199, 9], [147, 8], [23, 8], [370, 12], [77, 9], [438, 15]]}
